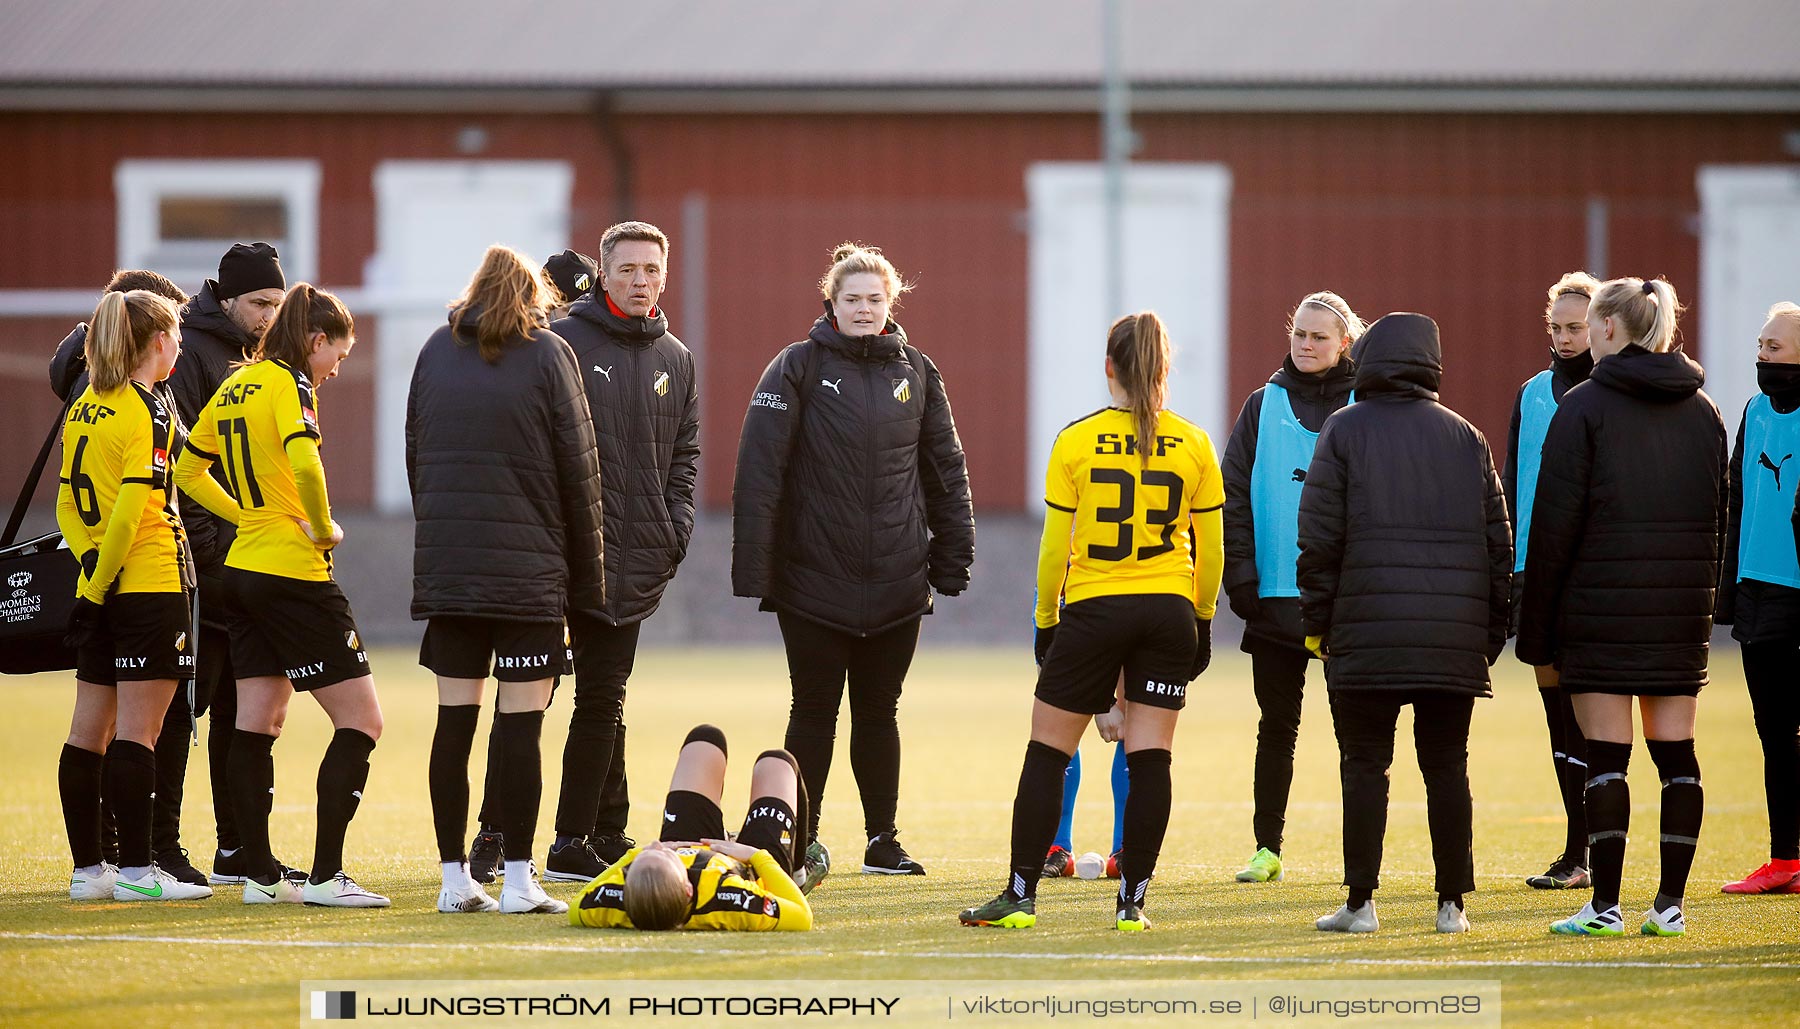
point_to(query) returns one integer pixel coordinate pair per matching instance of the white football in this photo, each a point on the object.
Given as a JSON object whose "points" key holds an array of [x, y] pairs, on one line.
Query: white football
{"points": [[1090, 865]]}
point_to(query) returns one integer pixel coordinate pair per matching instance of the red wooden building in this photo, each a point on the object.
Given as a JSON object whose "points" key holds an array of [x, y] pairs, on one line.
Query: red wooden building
{"points": [[1451, 158]]}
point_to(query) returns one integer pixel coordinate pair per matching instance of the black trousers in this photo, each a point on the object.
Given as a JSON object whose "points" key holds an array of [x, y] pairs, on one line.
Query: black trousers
{"points": [[1772, 671], [594, 757], [1278, 676], [1365, 721], [820, 661]]}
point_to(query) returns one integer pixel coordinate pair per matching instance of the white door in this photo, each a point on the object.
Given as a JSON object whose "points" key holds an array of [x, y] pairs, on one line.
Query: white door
{"points": [[1176, 253], [1749, 259], [434, 219]]}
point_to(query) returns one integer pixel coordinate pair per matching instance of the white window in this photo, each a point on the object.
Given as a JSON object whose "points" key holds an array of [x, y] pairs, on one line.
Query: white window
{"points": [[178, 217]]}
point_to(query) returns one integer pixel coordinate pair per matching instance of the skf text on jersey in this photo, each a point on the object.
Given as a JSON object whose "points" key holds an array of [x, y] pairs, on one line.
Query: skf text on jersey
{"points": [[1109, 443], [238, 394], [90, 413]]}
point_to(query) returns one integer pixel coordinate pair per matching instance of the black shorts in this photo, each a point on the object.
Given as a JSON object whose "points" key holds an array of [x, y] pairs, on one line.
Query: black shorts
{"points": [[473, 648], [1150, 636], [294, 628], [143, 636], [768, 825]]}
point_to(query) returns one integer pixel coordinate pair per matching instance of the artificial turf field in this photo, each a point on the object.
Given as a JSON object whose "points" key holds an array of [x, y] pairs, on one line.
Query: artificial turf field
{"points": [[963, 721]]}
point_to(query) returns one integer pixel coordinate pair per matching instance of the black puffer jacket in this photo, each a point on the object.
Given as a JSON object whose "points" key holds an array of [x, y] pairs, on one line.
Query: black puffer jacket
{"points": [[1313, 397], [211, 343], [851, 501], [1627, 530], [505, 482], [1405, 555], [1758, 612], [646, 406]]}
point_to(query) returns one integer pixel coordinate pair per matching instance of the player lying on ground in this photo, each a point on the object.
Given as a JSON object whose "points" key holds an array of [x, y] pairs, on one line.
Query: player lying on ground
{"points": [[694, 876]]}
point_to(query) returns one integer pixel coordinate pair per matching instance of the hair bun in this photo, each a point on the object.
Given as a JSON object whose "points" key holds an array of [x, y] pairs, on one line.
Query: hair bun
{"points": [[843, 250]]}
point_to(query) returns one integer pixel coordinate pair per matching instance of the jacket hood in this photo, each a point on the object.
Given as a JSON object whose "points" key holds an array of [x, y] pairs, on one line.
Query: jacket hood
{"points": [[1659, 378], [69, 362], [1336, 381], [204, 313], [861, 348], [1400, 354], [641, 331]]}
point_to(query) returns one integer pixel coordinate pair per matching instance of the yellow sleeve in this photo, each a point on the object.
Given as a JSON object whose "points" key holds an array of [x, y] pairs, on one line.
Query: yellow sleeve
{"points": [[121, 532], [1209, 561], [309, 480], [1207, 507], [1053, 565], [196, 483], [793, 913]]}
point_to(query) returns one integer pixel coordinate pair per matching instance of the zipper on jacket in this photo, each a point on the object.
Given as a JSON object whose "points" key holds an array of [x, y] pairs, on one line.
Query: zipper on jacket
{"points": [[868, 477]]}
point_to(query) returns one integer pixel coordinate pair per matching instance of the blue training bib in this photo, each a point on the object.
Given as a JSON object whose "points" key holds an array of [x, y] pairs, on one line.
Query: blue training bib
{"points": [[1284, 449], [1537, 405], [1771, 466]]}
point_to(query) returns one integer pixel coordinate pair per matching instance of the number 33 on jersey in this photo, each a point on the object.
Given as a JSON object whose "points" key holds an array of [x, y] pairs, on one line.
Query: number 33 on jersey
{"points": [[1132, 517]]}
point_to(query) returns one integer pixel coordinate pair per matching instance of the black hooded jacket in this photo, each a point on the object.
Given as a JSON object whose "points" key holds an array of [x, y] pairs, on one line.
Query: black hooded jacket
{"points": [[646, 406], [1405, 555], [1313, 397], [211, 343], [1759, 612], [1627, 530], [851, 501], [505, 482]]}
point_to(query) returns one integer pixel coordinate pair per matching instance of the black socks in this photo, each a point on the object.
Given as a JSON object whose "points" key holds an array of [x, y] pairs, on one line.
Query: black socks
{"points": [[130, 786], [522, 787], [78, 780], [1608, 802], [342, 775], [252, 776], [449, 777], [1146, 820], [1683, 803], [1358, 897], [1568, 751], [1036, 808]]}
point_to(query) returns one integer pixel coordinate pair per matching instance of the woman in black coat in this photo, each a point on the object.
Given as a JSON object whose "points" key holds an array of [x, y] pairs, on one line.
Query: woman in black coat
{"points": [[1405, 576], [851, 504], [1759, 594], [1620, 578], [505, 482], [1265, 469]]}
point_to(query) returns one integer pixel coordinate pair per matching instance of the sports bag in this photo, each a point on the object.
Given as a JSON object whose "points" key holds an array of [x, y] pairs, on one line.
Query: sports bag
{"points": [[38, 578]]}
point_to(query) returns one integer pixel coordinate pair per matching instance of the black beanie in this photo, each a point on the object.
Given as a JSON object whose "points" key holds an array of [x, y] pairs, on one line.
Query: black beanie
{"points": [[248, 267], [573, 273]]}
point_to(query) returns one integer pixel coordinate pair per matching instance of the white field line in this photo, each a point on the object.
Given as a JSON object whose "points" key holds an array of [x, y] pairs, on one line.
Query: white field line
{"points": [[709, 950]]}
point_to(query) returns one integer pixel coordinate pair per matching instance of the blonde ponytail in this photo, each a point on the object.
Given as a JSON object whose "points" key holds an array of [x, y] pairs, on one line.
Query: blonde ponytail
{"points": [[120, 333], [1647, 310], [1138, 345]]}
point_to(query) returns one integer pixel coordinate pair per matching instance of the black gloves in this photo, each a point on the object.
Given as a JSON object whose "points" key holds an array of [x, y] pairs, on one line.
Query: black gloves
{"points": [[1041, 645], [1244, 602], [1203, 649], [89, 562], [949, 585], [85, 622]]}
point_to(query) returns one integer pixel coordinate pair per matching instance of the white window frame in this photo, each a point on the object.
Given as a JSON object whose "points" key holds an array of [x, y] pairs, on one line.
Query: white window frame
{"points": [[140, 185]]}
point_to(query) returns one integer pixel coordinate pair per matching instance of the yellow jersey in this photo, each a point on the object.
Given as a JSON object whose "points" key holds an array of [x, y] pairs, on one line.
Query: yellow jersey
{"points": [[263, 426], [1130, 519], [111, 441], [760, 897]]}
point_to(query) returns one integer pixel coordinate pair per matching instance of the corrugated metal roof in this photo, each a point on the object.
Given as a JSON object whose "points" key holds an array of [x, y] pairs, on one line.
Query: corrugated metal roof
{"points": [[812, 44]]}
